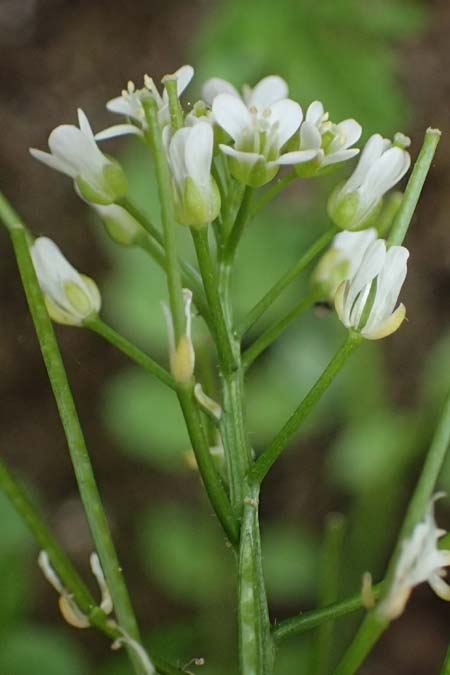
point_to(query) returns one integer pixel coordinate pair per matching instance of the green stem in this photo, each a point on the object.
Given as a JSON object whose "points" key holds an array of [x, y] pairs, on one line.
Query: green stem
{"points": [[369, 632], [445, 670], [176, 113], [241, 219], [213, 484], [414, 187], [62, 565], [122, 344], [58, 559], [374, 624], [80, 458], [221, 335], [271, 454], [329, 572], [168, 216], [256, 652], [272, 192], [142, 218], [308, 620], [271, 334], [269, 298]]}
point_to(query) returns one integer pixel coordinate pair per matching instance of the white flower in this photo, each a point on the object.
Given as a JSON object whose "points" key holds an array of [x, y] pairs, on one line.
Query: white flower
{"points": [[381, 165], [366, 301], [420, 560], [330, 141], [197, 198], [129, 104], [70, 297], [342, 260], [74, 152], [181, 354], [260, 124], [269, 90]]}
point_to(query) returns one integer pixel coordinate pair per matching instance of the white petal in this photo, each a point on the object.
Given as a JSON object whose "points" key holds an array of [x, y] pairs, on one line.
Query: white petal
{"points": [[245, 157], [288, 115], [184, 75], [315, 112], [386, 327], [53, 270], [296, 157], [84, 125], [439, 586], [231, 114], [340, 156], [387, 171], [371, 265], [53, 162], [369, 156], [268, 91], [177, 155], [352, 131], [310, 137], [118, 130], [389, 283], [70, 145], [199, 152], [121, 106], [215, 86]]}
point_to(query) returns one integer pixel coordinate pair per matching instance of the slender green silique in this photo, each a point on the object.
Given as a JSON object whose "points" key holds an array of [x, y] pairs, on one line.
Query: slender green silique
{"points": [[80, 458], [283, 282], [328, 588], [175, 110], [273, 333], [305, 621], [374, 625], [98, 326], [271, 454], [211, 479], [414, 188]]}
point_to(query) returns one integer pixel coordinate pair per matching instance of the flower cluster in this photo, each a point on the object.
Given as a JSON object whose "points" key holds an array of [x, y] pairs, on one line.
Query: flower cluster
{"points": [[230, 138]]}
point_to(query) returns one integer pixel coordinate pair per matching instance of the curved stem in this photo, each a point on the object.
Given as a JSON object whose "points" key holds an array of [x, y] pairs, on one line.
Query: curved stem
{"points": [[98, 326], [80, 458], [374, 624], [271, 454], [269, 298], [271, 334]]}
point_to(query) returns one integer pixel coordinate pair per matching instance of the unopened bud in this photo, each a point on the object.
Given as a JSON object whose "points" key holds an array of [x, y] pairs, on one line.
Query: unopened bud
{"points": [[181, 354]]}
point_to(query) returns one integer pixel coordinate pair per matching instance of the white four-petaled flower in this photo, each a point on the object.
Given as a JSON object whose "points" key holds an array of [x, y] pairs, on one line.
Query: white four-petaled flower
{"points": [[381, 165], [342, 260], [197, 198], [420, 560], [74, 152], [70, 297], [129, 104], [260, 127], [332, 142], [366, 301]]}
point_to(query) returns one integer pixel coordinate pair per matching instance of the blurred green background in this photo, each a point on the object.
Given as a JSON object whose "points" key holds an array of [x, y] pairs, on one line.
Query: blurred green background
{"points": [[382, 62]]}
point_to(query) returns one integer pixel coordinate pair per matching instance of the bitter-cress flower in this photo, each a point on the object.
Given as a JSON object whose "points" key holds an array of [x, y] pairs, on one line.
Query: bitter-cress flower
{"points": [[74, 152]]}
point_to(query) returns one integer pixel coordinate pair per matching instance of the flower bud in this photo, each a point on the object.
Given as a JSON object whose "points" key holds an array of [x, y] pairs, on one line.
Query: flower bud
{"points": [[121, 226], [181, 353], [70, 297]]}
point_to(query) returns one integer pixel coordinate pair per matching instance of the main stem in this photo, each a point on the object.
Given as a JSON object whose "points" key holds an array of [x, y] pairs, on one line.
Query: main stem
{"points": [[213, 484]]}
